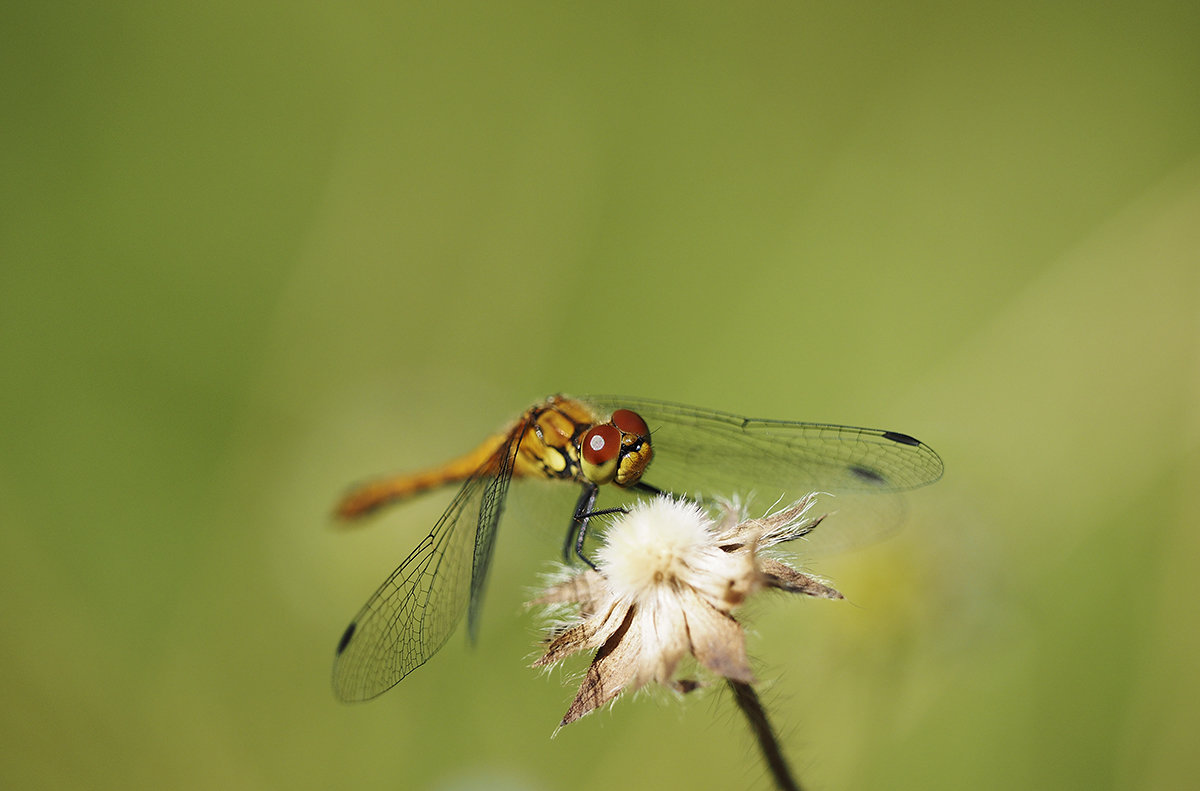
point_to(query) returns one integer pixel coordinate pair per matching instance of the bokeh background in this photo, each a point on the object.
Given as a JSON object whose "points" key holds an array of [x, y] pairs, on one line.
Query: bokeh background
{"points": [[251, 253]]}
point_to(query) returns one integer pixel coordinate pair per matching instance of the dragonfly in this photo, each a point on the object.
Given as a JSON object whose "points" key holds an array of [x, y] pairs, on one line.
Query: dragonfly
{"points": [[636, 446]]}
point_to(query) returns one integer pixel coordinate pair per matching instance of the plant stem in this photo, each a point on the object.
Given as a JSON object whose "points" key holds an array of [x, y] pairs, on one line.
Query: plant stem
{"points": [[751, 706]]}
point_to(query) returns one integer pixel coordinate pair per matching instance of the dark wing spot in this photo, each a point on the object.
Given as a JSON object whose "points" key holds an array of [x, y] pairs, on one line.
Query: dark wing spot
{"points": [[345, 641], [867, 474], [903, 439]]}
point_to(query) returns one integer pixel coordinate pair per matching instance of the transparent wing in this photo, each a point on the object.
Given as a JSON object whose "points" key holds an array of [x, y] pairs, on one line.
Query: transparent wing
{"points": [[417, 608], [490, 509], [703, 452]]}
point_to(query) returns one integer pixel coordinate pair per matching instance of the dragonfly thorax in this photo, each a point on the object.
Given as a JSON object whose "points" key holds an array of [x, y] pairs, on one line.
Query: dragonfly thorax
{"points": [[568, 440]]}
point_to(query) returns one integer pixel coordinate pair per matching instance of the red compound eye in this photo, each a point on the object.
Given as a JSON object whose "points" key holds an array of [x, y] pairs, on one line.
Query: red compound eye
{"points": [[630, 422], [601, 445]]}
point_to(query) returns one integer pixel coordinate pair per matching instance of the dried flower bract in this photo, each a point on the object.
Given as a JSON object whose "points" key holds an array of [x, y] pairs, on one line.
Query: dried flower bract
{"points": [[670, 577]]}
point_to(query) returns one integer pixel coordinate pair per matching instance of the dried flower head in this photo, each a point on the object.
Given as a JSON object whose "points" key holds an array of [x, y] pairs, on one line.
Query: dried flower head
{"points": [[669, 578]]}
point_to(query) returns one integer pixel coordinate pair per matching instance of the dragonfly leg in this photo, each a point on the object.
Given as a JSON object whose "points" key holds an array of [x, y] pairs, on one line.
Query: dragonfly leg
{"points": [[579, 524], [587, 499], [583, 523]]}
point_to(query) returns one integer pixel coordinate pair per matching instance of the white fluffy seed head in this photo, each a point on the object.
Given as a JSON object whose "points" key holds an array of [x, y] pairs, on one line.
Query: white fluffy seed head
{"points": [[658, 543]]}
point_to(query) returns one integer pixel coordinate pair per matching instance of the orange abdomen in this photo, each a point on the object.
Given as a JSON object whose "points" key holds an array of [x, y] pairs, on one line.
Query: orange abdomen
{"points": [[371, 496]]}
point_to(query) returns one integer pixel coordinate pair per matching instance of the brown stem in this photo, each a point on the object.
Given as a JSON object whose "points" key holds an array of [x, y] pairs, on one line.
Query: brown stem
{"points": [[751, 706]]}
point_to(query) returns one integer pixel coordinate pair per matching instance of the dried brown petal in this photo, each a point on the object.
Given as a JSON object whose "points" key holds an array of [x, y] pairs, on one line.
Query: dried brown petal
{"points": [[585, 635], [717, 640], [582, 588], [660, 632], [611, 671], [782, 576]]}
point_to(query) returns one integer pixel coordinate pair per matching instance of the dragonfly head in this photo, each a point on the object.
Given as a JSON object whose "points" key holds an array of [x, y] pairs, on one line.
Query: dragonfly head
{"points": [[616, 451]]}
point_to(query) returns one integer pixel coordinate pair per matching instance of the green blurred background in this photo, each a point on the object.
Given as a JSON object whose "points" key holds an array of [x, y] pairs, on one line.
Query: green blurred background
{"points": [[251, 253]]}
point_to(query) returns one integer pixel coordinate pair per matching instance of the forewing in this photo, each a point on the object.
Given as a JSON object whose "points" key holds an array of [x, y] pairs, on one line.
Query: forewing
{"points": [[706, 453]]}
